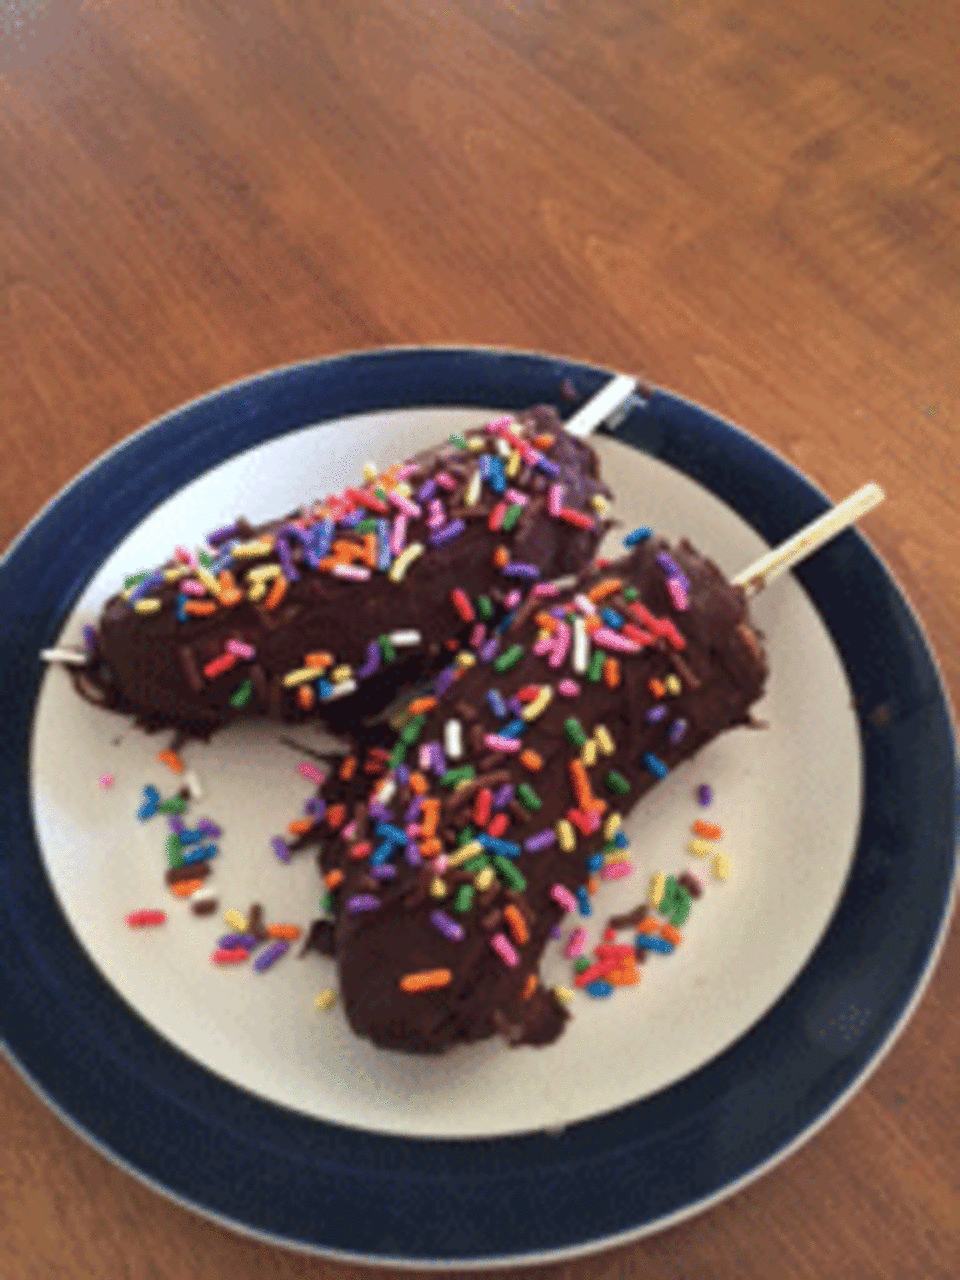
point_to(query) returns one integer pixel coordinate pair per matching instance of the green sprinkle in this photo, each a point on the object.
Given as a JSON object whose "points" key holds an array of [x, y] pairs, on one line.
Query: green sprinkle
{"points": [[485, 607], [528, 797], [617, 783], [463, 899], [465, 836], [205, 558], [174, 851], [175, 804], [509, 658], [397, 755], [509, 873], [366, 526], [380, 492], [476, 864], [675, 903], [513, 515], [459, 441], [412, 731], [387, 649], [326, 904], [631, 593], [242, 694], [574, 731], [134, 580], [595, 669], [581, 963], [454, 776]]}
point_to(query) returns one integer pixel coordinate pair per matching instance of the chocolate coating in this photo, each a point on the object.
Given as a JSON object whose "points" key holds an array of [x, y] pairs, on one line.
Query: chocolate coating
{"points": [[708, 646]]}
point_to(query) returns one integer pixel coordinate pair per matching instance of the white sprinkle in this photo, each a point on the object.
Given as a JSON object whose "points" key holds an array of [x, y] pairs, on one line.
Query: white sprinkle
{"points": [[405, 639], [354, 572], [472, 495], [453, 739], [69, 657], [192, 783], [341, 690], [386, 791], [580, 658]]}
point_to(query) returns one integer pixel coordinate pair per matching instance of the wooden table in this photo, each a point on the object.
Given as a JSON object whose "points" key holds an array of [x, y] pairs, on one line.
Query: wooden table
{"points": [[756, 203]]}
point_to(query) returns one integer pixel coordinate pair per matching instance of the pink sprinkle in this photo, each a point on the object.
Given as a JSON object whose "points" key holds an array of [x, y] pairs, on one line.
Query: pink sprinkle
{"points": [[105, 780], [184, 556], [398, 535], [405, 472], [440, 863], [516, 497], [350, 830], [562, 895], [555, 499], [436, 516], [513, 598], [561, 643], [609, 639], [678, 595], [355, 572], [445, 481], [616, 870], [498, 425], [497, 743], [190, 587], [546, 589], [575, 944], [311, 772], [543, 645], [568, 688], [404, 505], [241, 650], [505, 950], [478, 635]]}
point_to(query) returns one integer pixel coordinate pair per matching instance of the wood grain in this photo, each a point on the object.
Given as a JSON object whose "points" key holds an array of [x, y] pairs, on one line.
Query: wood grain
{"points": [[754, 202]]}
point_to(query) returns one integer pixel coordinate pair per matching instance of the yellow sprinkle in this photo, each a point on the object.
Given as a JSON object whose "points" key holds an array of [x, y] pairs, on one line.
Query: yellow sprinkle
{"points": [[465, 853], [325, 1000], [263, 572], [721, 866], [146, 606], [300, 676], [589, 753], [603, 740], [618, 855], [250, 550], [476, 444], [208, 580], [370, 471], [403, 488], [658, 884], [257, 591], [465, 659], [700, 848], [566, 836], [485, 878], [176, 572], [612, 826], [236, 920], [563, 994], [343, 672], [472, 495], [404, 560], [599, 503], [672, 685], [438, 888], [513, 463], [538, 705]]}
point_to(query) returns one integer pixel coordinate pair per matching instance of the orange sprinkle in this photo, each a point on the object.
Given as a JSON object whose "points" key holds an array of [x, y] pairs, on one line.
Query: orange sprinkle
{"points": [[531, 760], [593, 623], [611, 672], [230, 593], [431, 847], [501, 557], [657, 688], [426, 980], [604, 589], [370, 549], [648, 926], [671, 934], [431, 817], [546, 622], [420, 706], [593, 884], [184, 888], [348, 768], [518, 926], [300, 826], [171, 760], [333, 878], [580, 783], [529, 987], [276, 593], [319, 660], [626, 974], [336, 815], [305, 696], [199, 608], [708, 830], [418, 784], [288, 932]]}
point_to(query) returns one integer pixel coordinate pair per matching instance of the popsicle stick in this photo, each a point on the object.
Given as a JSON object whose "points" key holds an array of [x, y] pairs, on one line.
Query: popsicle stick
{"points": [[607, 400], [808, 539]]}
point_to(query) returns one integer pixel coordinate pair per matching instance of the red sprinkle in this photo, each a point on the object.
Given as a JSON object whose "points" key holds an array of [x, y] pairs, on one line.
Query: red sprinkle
{"points": [[598, 970], [145, 919], [578, 518], [230, 955], [461, 602]]}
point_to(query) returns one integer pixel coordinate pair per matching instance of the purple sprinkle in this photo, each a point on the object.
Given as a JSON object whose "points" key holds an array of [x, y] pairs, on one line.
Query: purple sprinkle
{"points": [[449, 928], [426, 490], [496, 703], [379, 811], [555, 931], [207, 827], [175, 822], [146, 586], [659, 712], [412, 854], [488, 651], [89, 637], [516, 569], [704, 794], [352, 519], [438, 760], [286, 559], [448, 533], [444, 680], [316, 807], [372, 662], [280, 848], [402, 774], [271, 955], [321, 541], [362, 902], [223, 534], [676, 731], [515, 705], [413, 810], [502, 797], [542, 840], [236, 942], [547, 466], [386, 871]]}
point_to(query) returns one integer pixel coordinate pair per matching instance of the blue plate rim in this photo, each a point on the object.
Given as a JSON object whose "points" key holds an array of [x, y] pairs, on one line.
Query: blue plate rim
{"points": [[526, 1191]]}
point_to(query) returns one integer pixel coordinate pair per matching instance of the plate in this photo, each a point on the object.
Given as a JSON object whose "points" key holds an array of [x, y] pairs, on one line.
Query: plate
{"points": [[227, 1092]]}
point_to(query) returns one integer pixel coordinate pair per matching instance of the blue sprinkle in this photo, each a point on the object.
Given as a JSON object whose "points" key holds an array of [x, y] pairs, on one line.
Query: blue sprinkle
{"points": [[496, 477], [384, 554], [391, 833], [646, 942], [203, 854], [382, 853], [496, 703], [655, 765], [505, 848], [324, 689], [637, 536], [181, 608], [598, 988], [583, 901], [151, 801], [515, 729], [547, 466], [612, 618], [620, 839], [595, 862]]}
